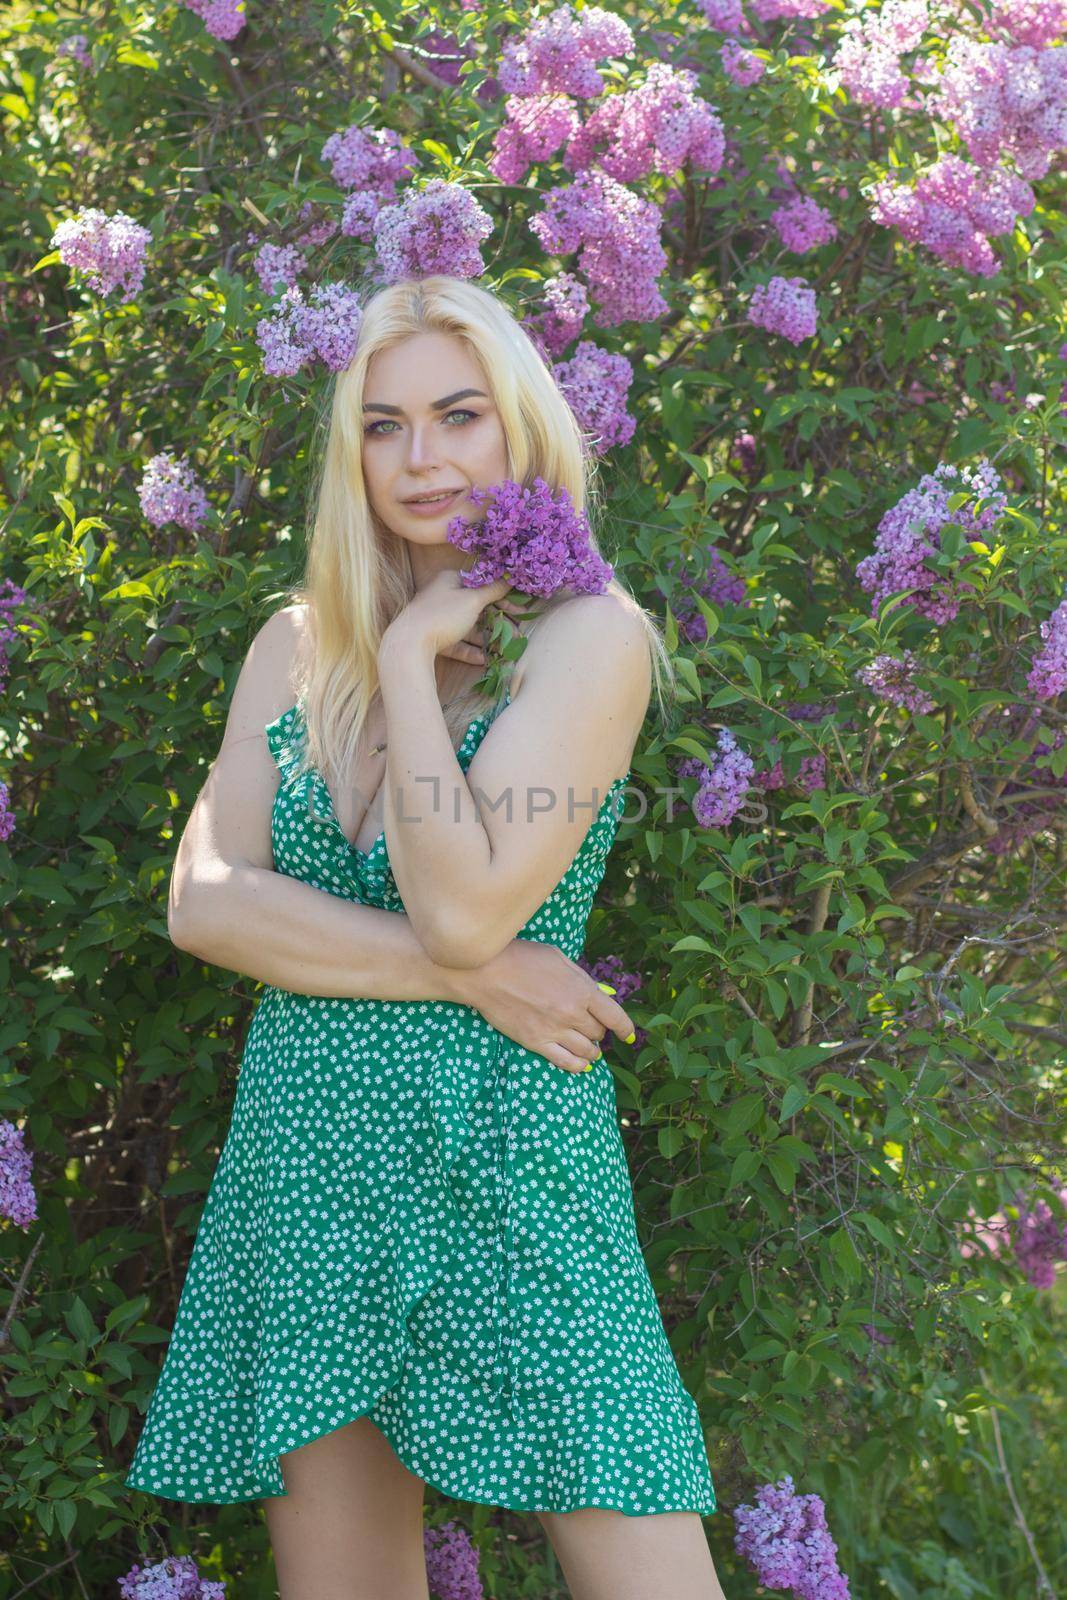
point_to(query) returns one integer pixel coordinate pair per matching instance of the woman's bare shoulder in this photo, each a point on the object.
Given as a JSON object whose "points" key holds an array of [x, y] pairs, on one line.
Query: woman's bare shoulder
{"points": [[608, 627], [272, 672]]}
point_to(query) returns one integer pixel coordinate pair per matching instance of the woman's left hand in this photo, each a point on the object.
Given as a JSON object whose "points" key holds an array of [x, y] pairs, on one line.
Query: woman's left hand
{"points": [[444, 618]]}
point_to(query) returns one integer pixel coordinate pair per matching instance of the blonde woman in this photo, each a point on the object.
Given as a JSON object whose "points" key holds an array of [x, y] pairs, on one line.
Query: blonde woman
{"points": [[418, 1261]]}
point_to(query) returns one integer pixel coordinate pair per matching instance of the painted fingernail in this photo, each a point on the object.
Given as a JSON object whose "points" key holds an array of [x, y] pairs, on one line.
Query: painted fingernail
{"points": [[630, 1037], [606, 987]]}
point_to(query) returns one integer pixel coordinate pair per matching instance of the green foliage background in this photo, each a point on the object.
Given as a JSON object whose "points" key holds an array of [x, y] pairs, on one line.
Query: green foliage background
{"points": [[852, 1007]]}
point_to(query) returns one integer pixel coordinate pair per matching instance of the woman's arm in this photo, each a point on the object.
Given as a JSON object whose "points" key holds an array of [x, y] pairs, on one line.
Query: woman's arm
{"points": [[294, 936], [229, 906], [474, 855]]}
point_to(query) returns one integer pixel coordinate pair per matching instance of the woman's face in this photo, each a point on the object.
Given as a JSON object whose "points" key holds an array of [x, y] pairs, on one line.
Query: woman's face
{"points": [[429, 426]]}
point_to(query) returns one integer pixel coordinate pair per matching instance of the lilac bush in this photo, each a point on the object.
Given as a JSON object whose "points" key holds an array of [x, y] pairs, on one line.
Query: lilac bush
{"points": [[798, 271]]}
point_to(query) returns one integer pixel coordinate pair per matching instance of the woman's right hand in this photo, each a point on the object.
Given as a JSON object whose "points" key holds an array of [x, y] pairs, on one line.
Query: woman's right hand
{"points": [[546, 1002]]}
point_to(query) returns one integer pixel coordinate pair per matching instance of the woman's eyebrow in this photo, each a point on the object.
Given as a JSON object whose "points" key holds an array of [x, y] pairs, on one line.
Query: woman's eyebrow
{"points": [[435, 405]]}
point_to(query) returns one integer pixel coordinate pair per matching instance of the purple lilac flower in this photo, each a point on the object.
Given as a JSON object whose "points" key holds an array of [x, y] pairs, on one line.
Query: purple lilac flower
{"points": [[1039, 1237], [224, 19], [170, 492], [564, 307], [451, 1563], [558, 54], [369, 158], [786, 306], [536, 127], [538, 540], [326, 325], [12, 595], [910, 531], [318, 232], [770, 777], [1035, 22], [654, 128], [892, 679], [7, 816], [724, 15], [722, 785], [175, 1578], [617, 235], [1048, 674], [1005, 101], [438, 228], [595, 382], [609, 969], [786, 1539], [811, 774], [953, 209], [710, 578], [743, 66], [18, 1202], [77, 47], [744, 448], [802, 224], [871, 45], [277, 266], [774, 10], [109, 250]]}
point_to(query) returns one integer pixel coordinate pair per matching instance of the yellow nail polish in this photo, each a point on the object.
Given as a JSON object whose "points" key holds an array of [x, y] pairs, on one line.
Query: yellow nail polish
{"points": [[630, 1038], [606, 987], [588, 1067]]}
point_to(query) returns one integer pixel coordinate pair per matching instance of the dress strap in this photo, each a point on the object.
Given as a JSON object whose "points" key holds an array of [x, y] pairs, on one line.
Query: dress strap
{"points": [[284, 740]]}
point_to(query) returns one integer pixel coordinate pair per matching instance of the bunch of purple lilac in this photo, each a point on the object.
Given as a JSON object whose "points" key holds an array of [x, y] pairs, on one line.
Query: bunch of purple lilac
{"points": [[451, 1563], [18, 1202], [109, 250], [12, 595], [560, 52], [564, 308], [609, 969], [910, 531], [325, 325], [534, 129], [742, 66], [595, 382], [723, 785], [786, 1539], [370, 163], [953, 209], [725, 15], [712, 580], [654, 128], [536, 539], [786, 306], [892, 679], [223, 19], [871, 45], [1036, 1235], [1039, 1236], [802, 224], [1005, 101], [617, 237], [76, 46], [174, 1578], [170, 492], [778, 10], [1048, 674], [1035, 22], [438, 228]]}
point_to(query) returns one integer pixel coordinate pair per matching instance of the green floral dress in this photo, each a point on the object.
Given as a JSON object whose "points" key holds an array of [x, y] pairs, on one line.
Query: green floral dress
{"points": [[414, 1218]]}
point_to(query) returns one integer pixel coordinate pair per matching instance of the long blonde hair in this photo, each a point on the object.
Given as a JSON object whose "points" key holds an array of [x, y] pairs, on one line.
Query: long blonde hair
{"points": [[358, 576]]}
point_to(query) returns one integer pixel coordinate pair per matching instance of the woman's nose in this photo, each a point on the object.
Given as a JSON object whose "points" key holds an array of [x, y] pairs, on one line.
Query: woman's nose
{"points": [[422, 451]]}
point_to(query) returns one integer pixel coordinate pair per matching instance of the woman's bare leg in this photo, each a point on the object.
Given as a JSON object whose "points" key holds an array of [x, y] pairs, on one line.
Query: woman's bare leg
{"points": [[606, 1555], [350, 1526]]}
